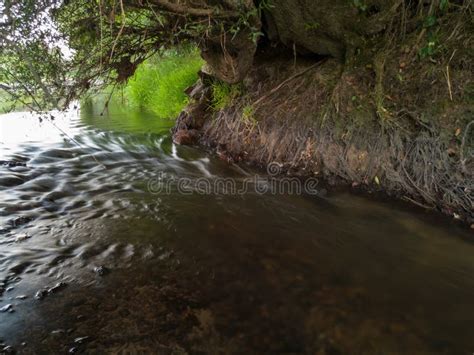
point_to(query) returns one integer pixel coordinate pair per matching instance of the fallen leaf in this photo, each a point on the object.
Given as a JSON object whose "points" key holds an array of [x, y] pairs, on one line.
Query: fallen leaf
{"points": [[458, 132]]}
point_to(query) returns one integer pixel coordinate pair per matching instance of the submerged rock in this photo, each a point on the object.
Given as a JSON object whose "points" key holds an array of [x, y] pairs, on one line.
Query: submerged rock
{"points": [[6, 308], [22, 220], [58, 331], [7, 350], [81, 340], [39, 295], [58, 287], [186, 137], [101, 270], [12, 163], [22, 237]]}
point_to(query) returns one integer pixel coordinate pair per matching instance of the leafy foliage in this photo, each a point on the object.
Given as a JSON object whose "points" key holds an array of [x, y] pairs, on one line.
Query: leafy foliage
{"points": [[159, 83], [58, 50], [360, 5], [33, 62]]}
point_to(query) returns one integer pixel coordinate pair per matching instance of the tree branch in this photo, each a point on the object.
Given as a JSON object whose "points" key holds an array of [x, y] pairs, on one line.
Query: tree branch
{"points": [[187, 10]]}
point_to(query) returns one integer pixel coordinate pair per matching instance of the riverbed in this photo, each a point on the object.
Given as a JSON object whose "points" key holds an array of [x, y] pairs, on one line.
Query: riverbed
{"points": [[101, 251]]}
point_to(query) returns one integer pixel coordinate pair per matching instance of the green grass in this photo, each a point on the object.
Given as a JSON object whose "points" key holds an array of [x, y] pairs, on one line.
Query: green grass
{"points": [[224, 94], [248, 115], [158, 84]]}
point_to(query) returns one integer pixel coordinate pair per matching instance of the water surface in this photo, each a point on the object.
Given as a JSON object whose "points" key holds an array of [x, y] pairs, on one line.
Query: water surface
{"points": [[117, 268]]}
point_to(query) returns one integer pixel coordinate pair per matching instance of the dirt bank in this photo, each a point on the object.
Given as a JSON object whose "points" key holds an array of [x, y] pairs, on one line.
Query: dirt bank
{"points": [[391, 111]]}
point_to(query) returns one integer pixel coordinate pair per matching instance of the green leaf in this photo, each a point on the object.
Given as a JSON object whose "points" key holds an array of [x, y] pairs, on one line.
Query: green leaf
{"points": [[430, 21], [443, 5]]}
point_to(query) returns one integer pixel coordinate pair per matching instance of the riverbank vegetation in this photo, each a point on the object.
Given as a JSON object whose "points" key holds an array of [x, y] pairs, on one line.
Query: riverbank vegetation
{"points": [[159, 83], [372, 94], [6, 102]]}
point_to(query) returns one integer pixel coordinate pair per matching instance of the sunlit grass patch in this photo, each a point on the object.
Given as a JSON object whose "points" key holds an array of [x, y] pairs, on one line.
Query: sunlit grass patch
{"points": [[158, 84]]}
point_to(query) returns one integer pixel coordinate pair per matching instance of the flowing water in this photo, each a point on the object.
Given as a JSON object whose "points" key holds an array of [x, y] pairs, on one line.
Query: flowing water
{"points": [[93, 258]]}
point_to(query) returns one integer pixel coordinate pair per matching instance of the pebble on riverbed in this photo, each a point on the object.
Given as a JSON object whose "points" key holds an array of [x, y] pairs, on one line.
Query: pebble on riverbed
{"points": [[101, 270], [6, 308], [81, 340], [19, 221], [7, 350], [12, 163], [78, 341], [22, 237], [40, 294], [59, 286]]}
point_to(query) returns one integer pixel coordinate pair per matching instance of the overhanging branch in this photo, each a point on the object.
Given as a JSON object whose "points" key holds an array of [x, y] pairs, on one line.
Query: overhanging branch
{"points": [[182, 9]]}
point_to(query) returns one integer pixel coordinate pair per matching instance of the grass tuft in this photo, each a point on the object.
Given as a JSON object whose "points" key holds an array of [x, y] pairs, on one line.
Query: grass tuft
{"points": [[224, 94], [248, 115], [158, 84]]}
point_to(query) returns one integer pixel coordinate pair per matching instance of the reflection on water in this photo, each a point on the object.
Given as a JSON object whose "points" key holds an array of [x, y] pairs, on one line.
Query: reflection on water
{"points": [[91, 261]]}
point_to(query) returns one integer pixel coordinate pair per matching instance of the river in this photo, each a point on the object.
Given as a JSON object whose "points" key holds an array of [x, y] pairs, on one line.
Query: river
{"points": [[101, 251]]}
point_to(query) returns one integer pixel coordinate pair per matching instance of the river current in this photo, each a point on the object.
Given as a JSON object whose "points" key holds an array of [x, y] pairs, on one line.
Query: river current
{"points": [[101, 251]]}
